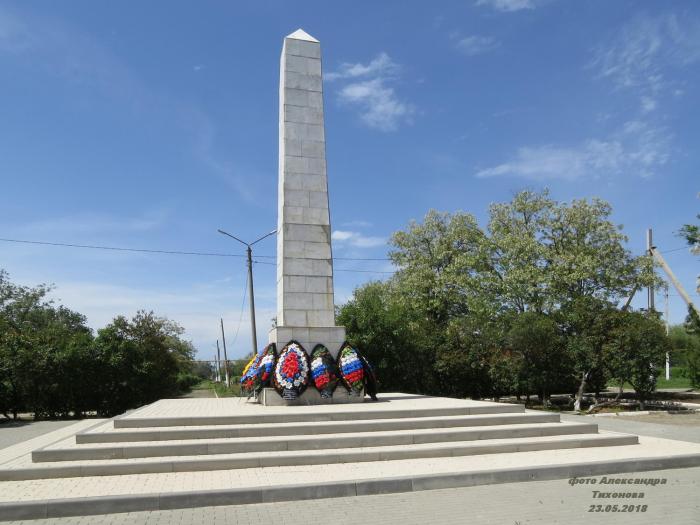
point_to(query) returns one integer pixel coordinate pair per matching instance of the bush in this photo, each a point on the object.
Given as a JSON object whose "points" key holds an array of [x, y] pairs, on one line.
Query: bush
{"points": [[52, 366]]}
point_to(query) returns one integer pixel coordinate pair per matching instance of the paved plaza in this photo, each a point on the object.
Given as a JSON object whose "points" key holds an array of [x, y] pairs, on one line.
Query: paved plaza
{"points": [[547, 501], [539, 502]]}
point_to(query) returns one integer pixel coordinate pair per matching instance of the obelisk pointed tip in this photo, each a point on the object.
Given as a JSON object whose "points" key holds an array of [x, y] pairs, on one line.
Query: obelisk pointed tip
{"points": [[300, 34]]}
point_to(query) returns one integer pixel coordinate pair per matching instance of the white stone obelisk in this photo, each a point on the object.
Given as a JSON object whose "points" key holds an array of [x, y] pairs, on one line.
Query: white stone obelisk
{"points": [[305, 307]]}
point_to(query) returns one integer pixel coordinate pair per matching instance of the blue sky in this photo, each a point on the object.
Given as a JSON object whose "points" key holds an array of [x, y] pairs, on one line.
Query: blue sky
{"points": [[152, 124]]}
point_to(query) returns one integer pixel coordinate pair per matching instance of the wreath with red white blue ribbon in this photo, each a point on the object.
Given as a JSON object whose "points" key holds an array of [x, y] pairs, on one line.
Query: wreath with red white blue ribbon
{"points": [[351, 369], [248, 377], [291, 375], [324, 371], [265, 368]]}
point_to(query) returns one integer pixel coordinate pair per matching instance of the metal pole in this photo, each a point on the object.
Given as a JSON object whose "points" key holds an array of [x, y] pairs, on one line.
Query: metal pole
{"points": [[676, 283], [249, 253], [218, 362], [252, 301], [223, 340], [650, 290], [668, 357]]}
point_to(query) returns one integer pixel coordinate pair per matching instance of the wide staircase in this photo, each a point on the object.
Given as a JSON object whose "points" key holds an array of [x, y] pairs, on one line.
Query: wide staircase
{"points": [[139, 445], [200, 452]]}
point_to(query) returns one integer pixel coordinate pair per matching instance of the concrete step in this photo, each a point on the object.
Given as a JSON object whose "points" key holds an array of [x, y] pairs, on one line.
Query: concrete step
{"points": [[315, 427], [314, 457], [341, 414], [304, 442]]}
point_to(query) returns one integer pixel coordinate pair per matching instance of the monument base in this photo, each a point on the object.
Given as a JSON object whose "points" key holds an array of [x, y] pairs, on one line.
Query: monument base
{"points": [[311, 396], [330, 336]]}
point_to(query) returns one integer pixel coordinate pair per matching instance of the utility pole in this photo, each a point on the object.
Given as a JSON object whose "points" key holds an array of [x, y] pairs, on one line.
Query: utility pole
{"points": [[218, 361], [674, 280], [650, 290], [668, 355], [223, 340], [251, 299]]}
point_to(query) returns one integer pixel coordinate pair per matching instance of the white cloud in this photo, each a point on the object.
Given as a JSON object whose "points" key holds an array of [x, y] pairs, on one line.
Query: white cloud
{"points": [[476, 45], [640, 59], [196, 307], [357, 240], [644, 51], [92, 223], [648, 104], [382, 65], [358, 224], [507, 5], [369, 90], [637, 148], [379, 106], [541, 163]]}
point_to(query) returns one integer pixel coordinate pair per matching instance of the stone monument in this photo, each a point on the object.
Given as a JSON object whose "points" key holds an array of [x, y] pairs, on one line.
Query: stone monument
{"points": [[305, 307]]}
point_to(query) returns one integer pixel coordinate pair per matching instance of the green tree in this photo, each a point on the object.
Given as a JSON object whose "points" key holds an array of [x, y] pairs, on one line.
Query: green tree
{"points": [[636, 350], [459, 288], [381, 327], [587, 322], [140, 360], [691, 233], [18, 310], [45, 354], [538, 339], [691, 346]]}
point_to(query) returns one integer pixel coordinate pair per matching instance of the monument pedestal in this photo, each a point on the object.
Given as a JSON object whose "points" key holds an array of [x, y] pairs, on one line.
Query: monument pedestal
{"points": [[269, 397]]}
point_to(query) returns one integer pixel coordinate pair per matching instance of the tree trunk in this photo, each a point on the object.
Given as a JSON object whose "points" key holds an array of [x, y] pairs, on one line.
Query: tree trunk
{"points": [[581, 391]]}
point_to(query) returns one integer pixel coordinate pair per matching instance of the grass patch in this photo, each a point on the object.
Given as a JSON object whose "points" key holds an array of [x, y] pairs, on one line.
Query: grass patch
{"points": [[677, 379], [221, 391], [204, 385]]}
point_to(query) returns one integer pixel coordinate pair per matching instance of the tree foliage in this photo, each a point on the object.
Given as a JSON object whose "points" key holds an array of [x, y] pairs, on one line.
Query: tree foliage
{"points": [[524, 305], [636, 350], [52, 366]]}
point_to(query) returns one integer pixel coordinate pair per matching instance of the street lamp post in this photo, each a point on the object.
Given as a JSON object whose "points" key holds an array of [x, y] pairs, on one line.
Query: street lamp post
{"points": [[249, 253]]}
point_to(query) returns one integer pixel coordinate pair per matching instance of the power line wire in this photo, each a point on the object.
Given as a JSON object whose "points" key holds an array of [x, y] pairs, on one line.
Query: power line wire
{"points": [[676, 249], [240, 317], [169, 252], [336, 269], [119, 249]]}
